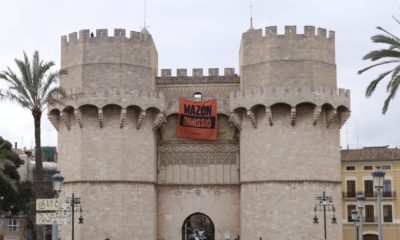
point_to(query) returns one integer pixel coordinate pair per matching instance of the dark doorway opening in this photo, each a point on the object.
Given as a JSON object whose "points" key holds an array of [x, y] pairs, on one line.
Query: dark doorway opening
{"points": [[198, 226], [370, 237]]}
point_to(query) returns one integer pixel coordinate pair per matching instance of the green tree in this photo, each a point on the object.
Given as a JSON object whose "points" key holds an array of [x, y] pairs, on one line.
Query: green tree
{"points": [[34, 88], [387, 56], [9, 162], [15, 195]]}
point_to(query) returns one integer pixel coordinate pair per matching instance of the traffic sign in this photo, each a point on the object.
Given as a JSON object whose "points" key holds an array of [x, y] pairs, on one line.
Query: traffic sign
{"points": [[59, 217], [52, 204]]}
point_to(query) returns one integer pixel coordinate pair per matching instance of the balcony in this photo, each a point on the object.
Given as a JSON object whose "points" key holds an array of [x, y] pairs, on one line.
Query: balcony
{"points": [[352, 195]]}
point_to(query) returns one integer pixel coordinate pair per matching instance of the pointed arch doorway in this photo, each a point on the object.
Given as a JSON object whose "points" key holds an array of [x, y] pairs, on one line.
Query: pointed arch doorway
{"points": [[198, 226]]}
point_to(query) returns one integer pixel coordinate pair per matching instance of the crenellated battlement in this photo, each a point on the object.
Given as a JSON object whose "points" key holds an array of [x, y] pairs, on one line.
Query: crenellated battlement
{"points": [[131, 62], [275, 59], [271, 32], [102, 34], [292, 96], [197, 77]]}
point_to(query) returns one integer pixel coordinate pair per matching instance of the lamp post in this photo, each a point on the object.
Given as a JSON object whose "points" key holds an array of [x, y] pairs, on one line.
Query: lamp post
{"points": [[378, 176], [325, 205], [354, 217], [75, 201], [360, 205], [57, 181]]}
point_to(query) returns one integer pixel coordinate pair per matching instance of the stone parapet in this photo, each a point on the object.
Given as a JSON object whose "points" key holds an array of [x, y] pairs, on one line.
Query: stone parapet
{"points": [[113, 96], [197, 76], [268, 96]]}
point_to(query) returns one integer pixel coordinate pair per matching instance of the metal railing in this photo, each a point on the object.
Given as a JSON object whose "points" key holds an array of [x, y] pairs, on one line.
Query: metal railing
{"points": [[391, 194]]}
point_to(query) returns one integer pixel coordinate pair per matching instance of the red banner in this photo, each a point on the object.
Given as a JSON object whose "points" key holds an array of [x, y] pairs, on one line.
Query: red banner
{"points": [[197, 119]]}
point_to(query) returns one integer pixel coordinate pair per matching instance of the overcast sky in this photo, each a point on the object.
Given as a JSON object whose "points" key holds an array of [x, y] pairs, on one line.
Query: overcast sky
{"points": [[203, 34]]}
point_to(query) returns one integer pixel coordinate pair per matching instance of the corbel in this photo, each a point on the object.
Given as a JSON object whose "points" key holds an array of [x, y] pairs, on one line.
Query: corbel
{"points": [[269, 115], [122, 118], [65, 120], [330, 117], [159, 120], [235, 120], [316, 114], [292, 116], [54, 120], [100, 117], [252, 118], [140, 119], [78, 116]]}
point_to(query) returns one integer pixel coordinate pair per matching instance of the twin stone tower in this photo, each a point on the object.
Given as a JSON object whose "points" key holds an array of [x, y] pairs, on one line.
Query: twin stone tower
{"points": [[277, 147]]}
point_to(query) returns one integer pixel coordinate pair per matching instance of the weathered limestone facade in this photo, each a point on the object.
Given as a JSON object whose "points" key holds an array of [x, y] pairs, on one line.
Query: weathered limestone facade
{"points": [[277, 147]]}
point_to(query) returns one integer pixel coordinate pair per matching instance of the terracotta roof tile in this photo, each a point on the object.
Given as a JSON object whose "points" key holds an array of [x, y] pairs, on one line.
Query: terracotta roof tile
{"points": [[370, 154]]}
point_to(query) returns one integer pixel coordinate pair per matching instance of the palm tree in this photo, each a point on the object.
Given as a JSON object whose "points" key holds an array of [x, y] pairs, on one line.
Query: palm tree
{"points": [[34, 88], [387, 56]]}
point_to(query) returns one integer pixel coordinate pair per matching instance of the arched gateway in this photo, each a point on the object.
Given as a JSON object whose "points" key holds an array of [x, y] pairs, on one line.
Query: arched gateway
{"points": [[198, 226]]}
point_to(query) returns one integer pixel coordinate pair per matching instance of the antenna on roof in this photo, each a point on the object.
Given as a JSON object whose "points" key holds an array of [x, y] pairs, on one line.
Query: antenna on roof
{"points": [[144, 28], [144, 15], [251, 14]]}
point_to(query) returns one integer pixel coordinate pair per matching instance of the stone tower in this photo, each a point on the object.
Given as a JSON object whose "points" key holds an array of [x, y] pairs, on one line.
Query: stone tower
{"points": [[106, 144], [277, 146], [291, 113]]}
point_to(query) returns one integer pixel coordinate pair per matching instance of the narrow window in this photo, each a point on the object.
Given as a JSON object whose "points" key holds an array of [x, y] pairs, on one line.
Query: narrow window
{"points": [[369, 213], [387, 213], [369, 188], [349, 209], [351, 188], [387, 188]]}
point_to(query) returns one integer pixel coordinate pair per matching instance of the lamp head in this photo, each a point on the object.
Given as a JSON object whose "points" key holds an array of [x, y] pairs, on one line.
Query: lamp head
{"points": [[315, 219], [354, 214], [334, 219], [360, 201], [80, 220], [378, 176], [57, 182]]}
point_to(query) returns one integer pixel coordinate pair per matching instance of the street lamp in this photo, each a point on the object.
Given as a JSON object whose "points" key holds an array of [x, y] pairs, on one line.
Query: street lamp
{"points": [[57, 182], [354, 217], [325, 204], [75, 201], [378, 176], [360, 205]]}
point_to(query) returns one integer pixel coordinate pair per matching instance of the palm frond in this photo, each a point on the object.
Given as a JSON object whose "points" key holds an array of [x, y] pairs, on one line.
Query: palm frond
{"points": [[378, 64], [383, 53], [372, 85], [392, 93], [387, 32], [395, 43]]}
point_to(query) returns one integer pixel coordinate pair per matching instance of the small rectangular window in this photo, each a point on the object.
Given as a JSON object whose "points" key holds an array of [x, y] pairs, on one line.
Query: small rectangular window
{"points": [[350, 168], [387, 188], [351, 189], [13, 225], [368, 188], [369, 213], [386, 167], [368, 168], [387, 213]]}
